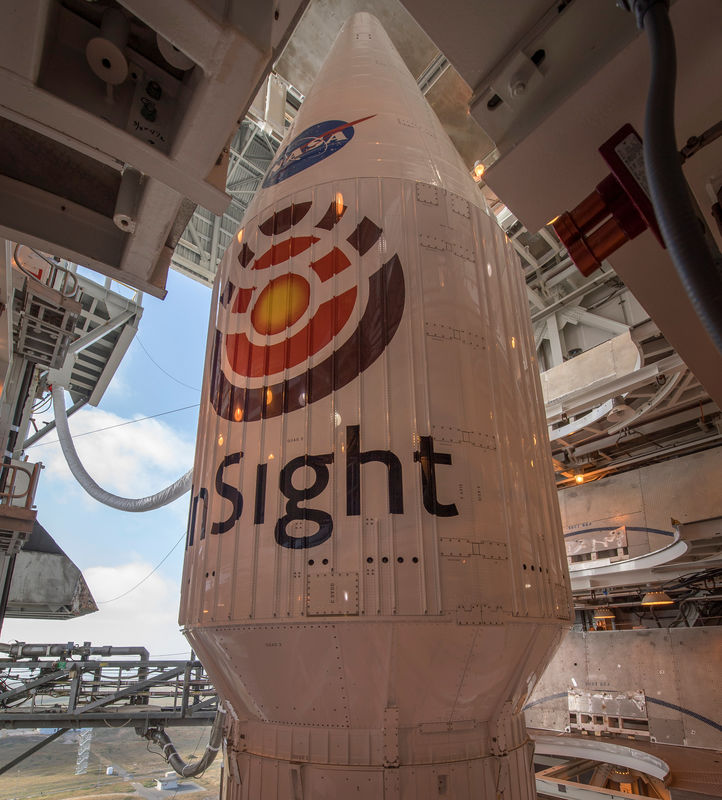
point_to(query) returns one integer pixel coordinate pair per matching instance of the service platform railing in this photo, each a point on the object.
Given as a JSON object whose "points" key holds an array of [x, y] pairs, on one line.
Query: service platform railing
{"points": [[19, 480], [84, 691], [47, 271]]}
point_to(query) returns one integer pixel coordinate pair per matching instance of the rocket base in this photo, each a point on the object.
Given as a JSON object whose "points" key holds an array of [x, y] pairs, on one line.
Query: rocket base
{"points": [[468, 761]]}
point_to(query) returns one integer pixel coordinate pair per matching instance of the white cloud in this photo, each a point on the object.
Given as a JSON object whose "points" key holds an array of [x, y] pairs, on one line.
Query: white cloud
{"points": [[133, 460], [147, 616], [118, 388]]}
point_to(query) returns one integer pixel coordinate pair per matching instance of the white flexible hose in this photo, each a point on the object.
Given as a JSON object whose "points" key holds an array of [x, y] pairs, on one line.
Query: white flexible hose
{"points": [[162, 498]]}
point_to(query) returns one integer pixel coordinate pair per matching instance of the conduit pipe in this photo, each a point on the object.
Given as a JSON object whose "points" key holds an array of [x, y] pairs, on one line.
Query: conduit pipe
{"points": [[682, 615], [171, 755], [23, 650], [153, 501], [669, 190]]}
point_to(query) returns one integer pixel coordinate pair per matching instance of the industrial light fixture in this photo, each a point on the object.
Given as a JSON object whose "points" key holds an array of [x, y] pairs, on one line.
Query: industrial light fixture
{"points": [[603, 612], [478, 171], [620, 411], [657, 599], [579, 477]]}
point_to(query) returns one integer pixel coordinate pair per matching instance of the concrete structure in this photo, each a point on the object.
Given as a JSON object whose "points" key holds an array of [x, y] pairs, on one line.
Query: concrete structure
{"points": [[168, 782], [653, 683], [46, 583]]}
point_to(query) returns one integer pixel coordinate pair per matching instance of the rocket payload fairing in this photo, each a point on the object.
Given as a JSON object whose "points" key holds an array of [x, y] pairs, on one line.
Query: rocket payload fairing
{"points": [[374, 574]]}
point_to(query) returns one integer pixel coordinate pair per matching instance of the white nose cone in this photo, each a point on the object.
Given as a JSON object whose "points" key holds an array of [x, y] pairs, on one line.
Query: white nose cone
{"points": [[374, 574]]}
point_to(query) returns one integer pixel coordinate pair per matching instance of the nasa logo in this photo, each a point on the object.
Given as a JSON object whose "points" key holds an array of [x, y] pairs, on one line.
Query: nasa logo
{"points": [[285, 335], [308, 148]]}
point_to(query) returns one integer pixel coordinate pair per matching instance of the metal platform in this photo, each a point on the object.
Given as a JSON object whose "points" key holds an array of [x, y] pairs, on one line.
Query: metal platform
{"points": [[592, 768], [689, 773], [46, 584], [64, 686], [696, 546], [74, 146], [71, 692]]}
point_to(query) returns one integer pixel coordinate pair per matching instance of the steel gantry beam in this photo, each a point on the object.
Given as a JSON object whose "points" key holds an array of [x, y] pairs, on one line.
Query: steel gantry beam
{"points": [[85, 693], [207, 235]]}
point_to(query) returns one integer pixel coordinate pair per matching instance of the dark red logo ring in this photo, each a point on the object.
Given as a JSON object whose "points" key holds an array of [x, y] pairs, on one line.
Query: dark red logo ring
{"points": [[377, 326]]}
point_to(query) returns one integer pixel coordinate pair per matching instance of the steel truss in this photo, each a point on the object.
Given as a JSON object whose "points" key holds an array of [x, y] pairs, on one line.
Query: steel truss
{"points": [[92, 693]]}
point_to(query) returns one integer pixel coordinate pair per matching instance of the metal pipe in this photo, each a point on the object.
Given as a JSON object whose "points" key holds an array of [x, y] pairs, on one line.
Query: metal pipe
{"points": [[696, 599], [39, 650], [5, 596], [628, 603], [134, 504], [603, 602], [670, 193], [698, 443], [171, 755], [110, 650], [585, 288], [12, 439]]}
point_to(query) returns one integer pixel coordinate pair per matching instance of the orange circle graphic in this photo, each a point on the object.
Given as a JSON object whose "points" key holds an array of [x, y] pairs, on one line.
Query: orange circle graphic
{"points": [[282, 302]]}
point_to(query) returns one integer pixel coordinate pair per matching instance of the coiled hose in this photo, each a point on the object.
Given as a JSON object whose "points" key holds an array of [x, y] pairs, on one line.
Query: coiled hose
{"points": [[153, 501]]}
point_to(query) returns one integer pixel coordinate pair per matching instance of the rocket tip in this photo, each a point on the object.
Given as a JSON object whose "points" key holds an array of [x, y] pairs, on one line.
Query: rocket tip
{"points": [[362, 19]]}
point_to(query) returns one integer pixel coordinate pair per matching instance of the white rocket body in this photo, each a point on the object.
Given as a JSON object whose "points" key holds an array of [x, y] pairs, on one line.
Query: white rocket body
{"points": [[375, 575]]}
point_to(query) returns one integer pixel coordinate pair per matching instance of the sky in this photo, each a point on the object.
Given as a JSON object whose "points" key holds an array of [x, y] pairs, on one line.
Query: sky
{"points": [[115, 549]]}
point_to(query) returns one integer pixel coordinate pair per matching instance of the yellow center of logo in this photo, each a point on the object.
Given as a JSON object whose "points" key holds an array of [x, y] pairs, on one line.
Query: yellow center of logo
{"points": [[283, 302]]}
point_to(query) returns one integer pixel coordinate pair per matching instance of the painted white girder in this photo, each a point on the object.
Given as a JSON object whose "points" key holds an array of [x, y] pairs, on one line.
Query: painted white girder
{"points": [[577, 315], [666, 389], [649, 429], [560, 154], [67, 122], [605, 752], [577, 402]]}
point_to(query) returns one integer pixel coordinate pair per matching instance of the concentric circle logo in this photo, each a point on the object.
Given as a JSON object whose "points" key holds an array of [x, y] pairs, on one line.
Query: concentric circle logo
{"points": [[290, 326]]}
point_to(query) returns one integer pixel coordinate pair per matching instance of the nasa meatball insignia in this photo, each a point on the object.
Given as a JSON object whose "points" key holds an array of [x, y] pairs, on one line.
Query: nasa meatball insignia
{"points": [[311, 146]]}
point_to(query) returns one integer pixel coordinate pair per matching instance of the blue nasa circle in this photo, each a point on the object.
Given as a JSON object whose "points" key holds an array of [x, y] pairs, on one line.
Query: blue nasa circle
{"points": [[308, 148]]}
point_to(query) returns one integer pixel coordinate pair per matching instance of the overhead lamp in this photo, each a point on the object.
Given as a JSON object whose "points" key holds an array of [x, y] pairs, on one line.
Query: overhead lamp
{"points": [[657, 599], [579, 477], [620, 411], [478, 171], [603, 612]]}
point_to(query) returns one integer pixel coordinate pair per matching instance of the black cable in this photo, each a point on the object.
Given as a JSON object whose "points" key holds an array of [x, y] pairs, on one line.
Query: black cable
{"points": [[119, 425], [143, 580], [167, 655], [669, 191], [42, 404], [164, 371]]}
